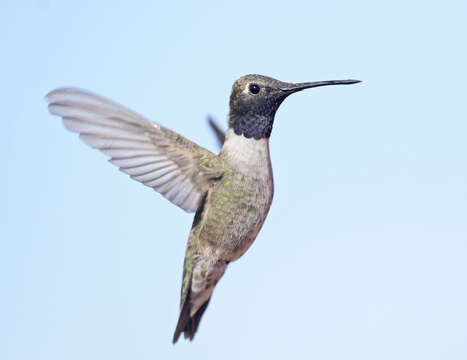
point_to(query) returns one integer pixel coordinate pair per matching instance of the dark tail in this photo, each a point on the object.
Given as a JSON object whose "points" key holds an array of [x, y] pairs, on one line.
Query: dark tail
{"points": [[187, 324]]}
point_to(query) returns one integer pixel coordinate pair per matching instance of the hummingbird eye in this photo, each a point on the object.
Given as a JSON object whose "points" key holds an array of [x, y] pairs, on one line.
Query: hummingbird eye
{"points": [[254, 88]]}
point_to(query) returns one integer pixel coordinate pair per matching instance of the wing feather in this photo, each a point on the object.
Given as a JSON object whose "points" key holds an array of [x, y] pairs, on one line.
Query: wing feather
{"points": [[158, 157], [132, 161]]}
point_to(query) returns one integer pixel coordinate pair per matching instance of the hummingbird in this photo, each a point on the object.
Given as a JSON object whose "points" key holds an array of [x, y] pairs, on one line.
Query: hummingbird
{"points": [[230, 193]]}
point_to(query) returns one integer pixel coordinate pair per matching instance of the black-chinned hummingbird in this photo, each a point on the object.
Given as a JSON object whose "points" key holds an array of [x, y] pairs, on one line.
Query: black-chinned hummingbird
{"points": [[230, 192]]}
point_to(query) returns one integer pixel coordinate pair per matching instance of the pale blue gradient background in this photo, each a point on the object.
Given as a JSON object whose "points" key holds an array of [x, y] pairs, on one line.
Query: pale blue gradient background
{"points": [[364, 252]]}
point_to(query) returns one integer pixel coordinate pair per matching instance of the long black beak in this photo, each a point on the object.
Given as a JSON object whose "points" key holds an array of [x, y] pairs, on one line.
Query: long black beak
{"points": [[291, 88]]}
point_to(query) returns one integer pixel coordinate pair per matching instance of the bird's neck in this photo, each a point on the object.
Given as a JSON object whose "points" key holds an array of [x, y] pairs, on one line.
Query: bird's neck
{"points": [[251, 125], [248, 154]]}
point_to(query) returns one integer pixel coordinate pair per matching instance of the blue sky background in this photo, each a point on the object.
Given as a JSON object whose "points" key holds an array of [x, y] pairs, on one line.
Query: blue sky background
{"points": [[363, 254]]}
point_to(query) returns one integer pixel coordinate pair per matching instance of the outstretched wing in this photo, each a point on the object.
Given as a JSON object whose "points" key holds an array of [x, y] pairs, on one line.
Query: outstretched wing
{"points": [[157, 157]]}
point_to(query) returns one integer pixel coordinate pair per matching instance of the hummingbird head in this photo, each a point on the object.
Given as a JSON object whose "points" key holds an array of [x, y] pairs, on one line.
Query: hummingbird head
{"points": [[256, 98]]}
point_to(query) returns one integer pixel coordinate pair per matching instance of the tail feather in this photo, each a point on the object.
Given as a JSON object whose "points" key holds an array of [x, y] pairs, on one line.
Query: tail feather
{"points": [[187, 324], [199, 281]]}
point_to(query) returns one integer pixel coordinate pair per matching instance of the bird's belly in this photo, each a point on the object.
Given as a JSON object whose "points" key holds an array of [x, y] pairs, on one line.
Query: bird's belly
{"points": [[236, 211]]}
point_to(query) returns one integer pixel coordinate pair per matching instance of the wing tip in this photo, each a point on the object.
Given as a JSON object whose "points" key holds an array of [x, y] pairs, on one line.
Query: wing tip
{"points": [[49, 97], [64, 93]]}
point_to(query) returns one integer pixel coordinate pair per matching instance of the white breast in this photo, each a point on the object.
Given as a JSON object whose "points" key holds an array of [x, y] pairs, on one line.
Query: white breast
{"points": [[250, 156]]}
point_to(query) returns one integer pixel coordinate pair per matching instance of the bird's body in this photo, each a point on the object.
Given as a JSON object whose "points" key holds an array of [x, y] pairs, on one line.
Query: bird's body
{"points": [[240, 201], [230, 192], [225, 226]]}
